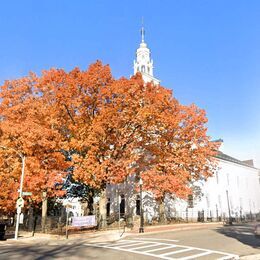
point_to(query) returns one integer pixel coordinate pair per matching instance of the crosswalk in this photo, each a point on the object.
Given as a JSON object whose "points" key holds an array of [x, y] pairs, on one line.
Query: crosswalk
{"points": [[164, 249]]}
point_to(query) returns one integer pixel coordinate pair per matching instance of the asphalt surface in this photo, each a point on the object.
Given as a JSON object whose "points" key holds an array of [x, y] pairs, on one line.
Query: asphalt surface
{"points": [[227, 242]]}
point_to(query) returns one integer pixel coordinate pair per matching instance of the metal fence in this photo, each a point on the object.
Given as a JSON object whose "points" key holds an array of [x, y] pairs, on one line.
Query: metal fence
{"points": [[57, 224]]}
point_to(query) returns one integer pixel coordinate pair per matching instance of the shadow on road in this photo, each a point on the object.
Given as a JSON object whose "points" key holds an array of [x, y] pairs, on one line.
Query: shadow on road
{"points": [[243, 233], [40, 252]]}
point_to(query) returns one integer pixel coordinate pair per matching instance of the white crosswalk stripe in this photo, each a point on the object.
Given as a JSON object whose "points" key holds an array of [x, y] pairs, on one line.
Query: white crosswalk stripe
{"points": [[151, 247], [158, 249], [196, 256], [140, 247], [177, 252], [131, 244]]}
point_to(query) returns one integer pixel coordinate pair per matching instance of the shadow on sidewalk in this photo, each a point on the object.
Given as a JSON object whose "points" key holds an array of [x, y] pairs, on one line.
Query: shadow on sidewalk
{"points": [[243, 233]]}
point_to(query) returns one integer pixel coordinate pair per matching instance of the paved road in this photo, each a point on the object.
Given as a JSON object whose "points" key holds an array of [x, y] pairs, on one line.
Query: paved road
{"points": [[207, 243]]}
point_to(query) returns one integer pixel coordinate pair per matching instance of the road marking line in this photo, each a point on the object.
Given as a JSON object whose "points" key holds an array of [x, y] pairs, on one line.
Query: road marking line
{"points": [[121, 244], [144, 246], [124, 243], [115, 242], [158, 249], [195, 256], [132, 244], [176, 252], [126, 250], [161, 239]]}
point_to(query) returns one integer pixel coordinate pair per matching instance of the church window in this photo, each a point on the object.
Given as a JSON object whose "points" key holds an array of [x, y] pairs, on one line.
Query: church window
{"points": [[190, 201], [148, 70], [143, 68]]}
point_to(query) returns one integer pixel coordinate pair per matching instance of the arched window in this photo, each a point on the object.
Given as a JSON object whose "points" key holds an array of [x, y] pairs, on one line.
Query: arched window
{"points": [[148, 70], [143, 68]]}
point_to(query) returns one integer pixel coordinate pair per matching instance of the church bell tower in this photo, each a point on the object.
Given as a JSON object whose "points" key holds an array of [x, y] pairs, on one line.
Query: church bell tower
{"points": [[143, 62]]}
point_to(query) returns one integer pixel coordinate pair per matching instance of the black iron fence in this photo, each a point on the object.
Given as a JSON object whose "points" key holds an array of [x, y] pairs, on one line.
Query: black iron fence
{"points": [[57, 224]]}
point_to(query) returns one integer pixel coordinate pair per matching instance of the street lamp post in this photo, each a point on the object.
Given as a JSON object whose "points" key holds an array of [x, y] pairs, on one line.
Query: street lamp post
{"points": [[141, 229], [21, 189]]}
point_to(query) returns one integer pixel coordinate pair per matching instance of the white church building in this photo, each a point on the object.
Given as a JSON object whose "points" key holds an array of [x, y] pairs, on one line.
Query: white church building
{"points": [[234, 191]]}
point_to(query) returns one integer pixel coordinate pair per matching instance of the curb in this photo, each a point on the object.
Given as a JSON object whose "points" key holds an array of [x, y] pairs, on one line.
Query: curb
{"points": [[97, 237], [174, 228]]}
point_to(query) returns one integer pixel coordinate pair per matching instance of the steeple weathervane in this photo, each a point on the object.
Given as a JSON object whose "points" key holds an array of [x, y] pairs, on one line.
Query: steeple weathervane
{"points": [[142, 30], [142, 33]]}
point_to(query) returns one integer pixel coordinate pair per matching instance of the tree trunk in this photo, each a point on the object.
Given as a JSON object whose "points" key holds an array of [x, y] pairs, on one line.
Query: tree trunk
{"points": [[130, 206], [44, 211], [102, 221], [162, 218], [30, 218], [90, 207]]}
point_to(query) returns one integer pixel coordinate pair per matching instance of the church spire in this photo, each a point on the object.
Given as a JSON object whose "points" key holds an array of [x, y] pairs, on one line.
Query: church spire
{"points": [[142, 30], [143, 62], [142, 33]]}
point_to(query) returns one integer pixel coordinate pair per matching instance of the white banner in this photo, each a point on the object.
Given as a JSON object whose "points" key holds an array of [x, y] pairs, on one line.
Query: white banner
{"points": [[85, 221]]}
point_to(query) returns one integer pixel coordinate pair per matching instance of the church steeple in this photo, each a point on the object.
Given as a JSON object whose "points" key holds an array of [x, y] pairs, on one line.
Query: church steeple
{"points": [[143, 62], [142, 33]]}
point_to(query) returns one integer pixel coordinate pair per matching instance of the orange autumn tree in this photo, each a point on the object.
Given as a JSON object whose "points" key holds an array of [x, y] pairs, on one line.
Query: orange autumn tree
{"points": [[27, 127], [44, 118], [111, 128], [78, 100], [141, 129]]}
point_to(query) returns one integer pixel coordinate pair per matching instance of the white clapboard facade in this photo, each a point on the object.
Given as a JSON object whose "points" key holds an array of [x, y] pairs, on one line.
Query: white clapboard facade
{"points": [[233, 191]]}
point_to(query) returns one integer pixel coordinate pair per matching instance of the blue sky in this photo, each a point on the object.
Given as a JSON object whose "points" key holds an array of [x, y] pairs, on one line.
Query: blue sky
{"points": [[208, 52]]}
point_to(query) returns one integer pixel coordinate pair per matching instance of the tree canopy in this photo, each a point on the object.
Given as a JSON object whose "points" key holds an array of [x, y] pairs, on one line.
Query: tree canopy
{"points": [[110, 128]]}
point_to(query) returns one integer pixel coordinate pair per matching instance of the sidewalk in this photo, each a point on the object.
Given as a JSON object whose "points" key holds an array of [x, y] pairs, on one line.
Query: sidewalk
{"points": [[174, 227], [104, 236]]}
